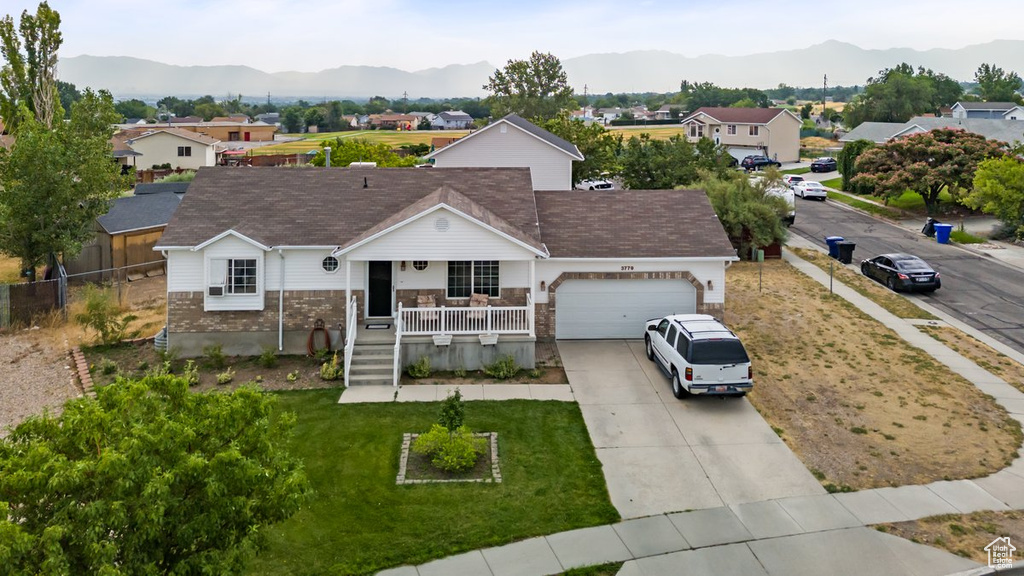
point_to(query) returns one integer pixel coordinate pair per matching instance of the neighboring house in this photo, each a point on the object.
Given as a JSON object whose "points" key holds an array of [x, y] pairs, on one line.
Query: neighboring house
{"points": [[126, 234], [988, 110], [665, 112], [1009, 131], [437, 143], [185, 120], [452, 120], [462, 265], [394, 121], [772, 132], [273, 118], [122, 152], [179, 148], [514, 142], [606, 115]]}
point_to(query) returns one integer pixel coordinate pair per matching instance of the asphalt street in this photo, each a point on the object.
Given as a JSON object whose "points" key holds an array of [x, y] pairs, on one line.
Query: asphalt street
{"points": [[983, 293]]}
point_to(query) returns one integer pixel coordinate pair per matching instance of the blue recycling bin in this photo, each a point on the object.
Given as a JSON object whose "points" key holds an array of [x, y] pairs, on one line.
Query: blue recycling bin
{"points": [[833, 245], [942, 233]]}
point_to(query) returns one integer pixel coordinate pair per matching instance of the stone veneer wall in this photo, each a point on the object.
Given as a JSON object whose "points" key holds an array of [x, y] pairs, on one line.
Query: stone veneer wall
{"points": [[509, 297], [185, 312], [545, 313]]}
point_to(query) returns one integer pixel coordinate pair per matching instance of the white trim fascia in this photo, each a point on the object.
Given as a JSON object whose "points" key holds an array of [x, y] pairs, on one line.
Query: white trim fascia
{"points": [[231, 232], [664, 259], [431, 210], [503, 121], [906, 129], [156, 131], [159, 248], [133, 229], [305, 247]]}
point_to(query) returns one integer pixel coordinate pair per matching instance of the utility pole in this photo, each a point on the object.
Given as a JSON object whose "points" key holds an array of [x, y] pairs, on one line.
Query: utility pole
{"points": [[824, 92], [405, 101]]}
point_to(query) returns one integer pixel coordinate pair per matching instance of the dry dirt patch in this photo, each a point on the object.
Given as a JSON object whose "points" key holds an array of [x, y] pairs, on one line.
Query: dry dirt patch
{"points": [[981, 354], [860, 407], [962, 534]]}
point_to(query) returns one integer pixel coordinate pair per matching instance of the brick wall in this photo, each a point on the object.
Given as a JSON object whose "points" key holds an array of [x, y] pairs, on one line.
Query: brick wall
{"points": [[509, 297], [301, 309]]}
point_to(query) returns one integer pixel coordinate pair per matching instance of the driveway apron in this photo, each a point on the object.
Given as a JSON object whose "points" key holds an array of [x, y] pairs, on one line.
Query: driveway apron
{"points": [[661, 454]]}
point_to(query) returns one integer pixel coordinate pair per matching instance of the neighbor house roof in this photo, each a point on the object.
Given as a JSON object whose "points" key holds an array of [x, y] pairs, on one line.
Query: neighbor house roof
{"points": [[186, 134], [1008, 131], [528, 127], [130, 213], [876, 132], [330, 206], [1003, 106], [631, 223], [739, 115], [456, 115]]}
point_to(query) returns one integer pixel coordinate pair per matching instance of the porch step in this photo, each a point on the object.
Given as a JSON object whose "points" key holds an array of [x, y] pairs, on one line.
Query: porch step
{"points": [[370, 380], [372, 364]]}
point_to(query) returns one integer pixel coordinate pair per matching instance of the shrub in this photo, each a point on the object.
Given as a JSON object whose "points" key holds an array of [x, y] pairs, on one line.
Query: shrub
{"points": [[142, 366], [322, 354], [419, 368], [331, 370], [503, 369], [460, 372], [191, 373], [453, 411], [267, 359], [215, 356], [292, 376], [450, 451], [108, 367], [226, 376], [104, 316]]}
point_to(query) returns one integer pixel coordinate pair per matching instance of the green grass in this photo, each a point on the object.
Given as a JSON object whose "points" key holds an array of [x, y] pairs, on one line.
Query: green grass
{"points": [[393, 138], [914, 202], [836, 183], [360, 522], [803, 170], [964, 237], [868, 207]]}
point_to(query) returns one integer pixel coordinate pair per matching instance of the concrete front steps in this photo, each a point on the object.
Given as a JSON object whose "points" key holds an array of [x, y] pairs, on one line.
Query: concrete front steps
{"points": [[372, 364]]}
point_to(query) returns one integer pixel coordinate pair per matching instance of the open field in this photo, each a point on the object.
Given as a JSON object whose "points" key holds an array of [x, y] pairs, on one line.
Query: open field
{"points": [[657, 132], [860, 407], [392, 138]]}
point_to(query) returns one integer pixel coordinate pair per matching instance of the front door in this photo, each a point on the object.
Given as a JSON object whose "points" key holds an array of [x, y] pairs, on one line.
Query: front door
{"points": [[378, 300]]}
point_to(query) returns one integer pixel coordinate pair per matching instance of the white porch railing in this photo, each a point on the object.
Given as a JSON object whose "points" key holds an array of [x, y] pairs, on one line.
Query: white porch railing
{"points": [[396, 371], [351, 323], [489, 320]]}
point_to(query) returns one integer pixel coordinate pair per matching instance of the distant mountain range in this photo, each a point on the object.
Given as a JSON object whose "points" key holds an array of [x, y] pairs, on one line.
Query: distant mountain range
{"points": [[640, 71]]}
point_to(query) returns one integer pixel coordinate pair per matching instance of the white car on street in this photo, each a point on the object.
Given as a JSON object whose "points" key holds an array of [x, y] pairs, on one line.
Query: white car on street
{"points": [[808, 189], [791, 180]]}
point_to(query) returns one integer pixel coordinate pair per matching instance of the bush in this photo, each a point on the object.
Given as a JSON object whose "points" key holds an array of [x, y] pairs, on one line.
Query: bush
{"points": [[503, 369], [419, 368], [453, 411], [215, 356], [191, 373], [226, 377], [450, 451], [292, 376], [268, 358], [108, 367], [332, 370], [104, 316]]}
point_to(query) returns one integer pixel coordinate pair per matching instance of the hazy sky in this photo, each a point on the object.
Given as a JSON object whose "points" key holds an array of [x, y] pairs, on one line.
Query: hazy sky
{"points": [[312, 35]]}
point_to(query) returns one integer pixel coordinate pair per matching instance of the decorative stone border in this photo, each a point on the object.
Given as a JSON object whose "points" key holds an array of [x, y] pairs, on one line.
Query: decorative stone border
{"points": [[82, 371], [495, 478]]}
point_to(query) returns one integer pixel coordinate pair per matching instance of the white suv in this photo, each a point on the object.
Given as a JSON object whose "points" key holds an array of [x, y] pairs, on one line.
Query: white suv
{"points": [[700, 355]]}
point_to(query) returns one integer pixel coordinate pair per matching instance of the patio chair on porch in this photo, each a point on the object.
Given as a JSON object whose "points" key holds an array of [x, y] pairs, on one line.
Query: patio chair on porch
{"points": [[431, 317], [478, 301]]}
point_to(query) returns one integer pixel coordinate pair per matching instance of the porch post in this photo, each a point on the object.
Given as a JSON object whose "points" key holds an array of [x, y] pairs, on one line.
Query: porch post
{"points": [[348, 289], [533, 297]]}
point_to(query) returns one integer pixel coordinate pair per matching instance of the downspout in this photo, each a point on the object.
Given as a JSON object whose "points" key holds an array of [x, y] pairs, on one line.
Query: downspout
{"points": [[280, 305]]}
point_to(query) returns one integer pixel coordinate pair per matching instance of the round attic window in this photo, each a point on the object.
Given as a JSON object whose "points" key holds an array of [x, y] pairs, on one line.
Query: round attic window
{"points": [[330, 264], [419, 264], [441, 224]]}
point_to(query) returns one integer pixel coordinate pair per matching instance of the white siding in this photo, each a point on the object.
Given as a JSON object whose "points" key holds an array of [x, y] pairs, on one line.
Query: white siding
{"points": [[421, 240], [550, 270], [161, 148], [185, 271], [232, 247], [433, 277], [304, 271], [550, 168]]}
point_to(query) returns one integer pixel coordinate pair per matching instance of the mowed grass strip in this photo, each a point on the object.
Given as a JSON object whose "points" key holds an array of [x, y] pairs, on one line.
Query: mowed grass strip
{"points": [[858, 405], [360, 522], [980, 353], [393, 138], [866, 287], [864, 206]]}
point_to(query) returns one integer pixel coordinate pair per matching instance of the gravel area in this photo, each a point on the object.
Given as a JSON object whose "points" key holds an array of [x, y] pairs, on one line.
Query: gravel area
{"points": [[33, 377]]}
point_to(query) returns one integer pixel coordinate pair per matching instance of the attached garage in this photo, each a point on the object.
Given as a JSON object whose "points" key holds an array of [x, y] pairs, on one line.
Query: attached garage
{"points": [[741, 152], [593, 309]]}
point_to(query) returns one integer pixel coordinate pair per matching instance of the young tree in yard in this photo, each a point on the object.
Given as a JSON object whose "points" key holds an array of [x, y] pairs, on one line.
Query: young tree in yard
{"points": [[750, 216], [147, 478], [345, 151], [55, 182], [925, 163], [28, 78], [999, 190], [649, 164], [595, 143], [995, 85], [536, 89]]}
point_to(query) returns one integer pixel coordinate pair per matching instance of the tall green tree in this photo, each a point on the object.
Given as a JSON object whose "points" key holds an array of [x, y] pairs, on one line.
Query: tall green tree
{"points": [[54, 182], [650, 164], [147, 478], [897, 94], [926, 163], [134, 108], [536, 89], [597, 145], [846, 160], [345, 151], [996, 85], [752, 217], [28, 77], [999, 190], [69, 94]]}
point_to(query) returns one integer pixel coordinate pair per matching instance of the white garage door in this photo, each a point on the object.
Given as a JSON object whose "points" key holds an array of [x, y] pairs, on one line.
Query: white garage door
{"points": [[618, 308], [740, 153]]}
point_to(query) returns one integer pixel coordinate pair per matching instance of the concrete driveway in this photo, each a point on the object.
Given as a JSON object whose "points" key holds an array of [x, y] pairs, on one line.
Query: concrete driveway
{"points": [[661, 454]]}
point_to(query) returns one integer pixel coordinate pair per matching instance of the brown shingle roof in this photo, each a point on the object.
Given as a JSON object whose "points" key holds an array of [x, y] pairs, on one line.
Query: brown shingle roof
{"points": [[630, 224], [739, 115], [330, 207]]}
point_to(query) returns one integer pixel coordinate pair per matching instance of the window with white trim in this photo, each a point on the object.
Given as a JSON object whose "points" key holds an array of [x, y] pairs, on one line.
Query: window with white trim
{"points": [[730, 129], [234, 276], [184, 150], [754, 130], [329, 264], [696, 130], [473, 277]]}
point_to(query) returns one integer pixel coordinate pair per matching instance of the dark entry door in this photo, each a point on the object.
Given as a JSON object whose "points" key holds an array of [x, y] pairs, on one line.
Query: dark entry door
{"points": [[379, 293]]}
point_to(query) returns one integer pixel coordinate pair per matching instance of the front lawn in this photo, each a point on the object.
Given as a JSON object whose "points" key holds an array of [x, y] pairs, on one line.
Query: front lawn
{"points": [[360, 522], [835, 183], [803, 170]]}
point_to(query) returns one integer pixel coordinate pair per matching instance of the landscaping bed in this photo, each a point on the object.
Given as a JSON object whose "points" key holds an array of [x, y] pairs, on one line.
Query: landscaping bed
{"points": [[962, 534], [360, 521], [860, 407]]}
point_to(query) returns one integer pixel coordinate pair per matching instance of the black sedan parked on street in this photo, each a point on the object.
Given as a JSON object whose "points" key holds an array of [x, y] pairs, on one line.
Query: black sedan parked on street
{"points": [[902, 272], [824, 165]]}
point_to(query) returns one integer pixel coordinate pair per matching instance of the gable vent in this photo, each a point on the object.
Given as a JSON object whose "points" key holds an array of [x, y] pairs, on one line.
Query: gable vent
{"points": [[441, 225]]}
